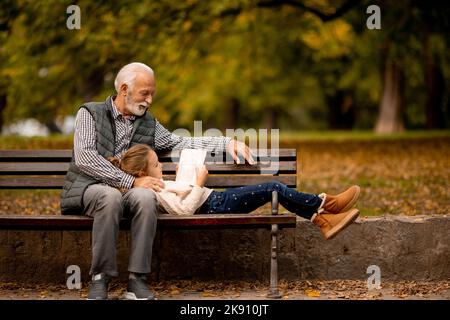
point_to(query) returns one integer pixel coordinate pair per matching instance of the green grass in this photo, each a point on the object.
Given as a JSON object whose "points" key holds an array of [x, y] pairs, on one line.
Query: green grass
{"points": [[51, 142], [66, 142], [366, 182], [358, 135], [371, 212]]}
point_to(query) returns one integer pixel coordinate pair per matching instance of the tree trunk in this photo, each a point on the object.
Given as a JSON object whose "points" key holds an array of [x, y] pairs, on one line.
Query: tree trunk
{"points": [[232, 113], [92, 85], [434, 78], [52, 127], [2, 108], [341, 110], [271, 118], [435, 84], [333, 104], [390, 117]]}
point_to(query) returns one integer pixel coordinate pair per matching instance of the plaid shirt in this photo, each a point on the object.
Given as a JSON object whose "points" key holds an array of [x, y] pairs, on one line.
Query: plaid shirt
{"points": [[90, 162]]}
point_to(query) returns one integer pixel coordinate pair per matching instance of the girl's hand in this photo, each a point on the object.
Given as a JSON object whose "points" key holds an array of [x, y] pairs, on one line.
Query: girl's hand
{"points": [[202, 175]]}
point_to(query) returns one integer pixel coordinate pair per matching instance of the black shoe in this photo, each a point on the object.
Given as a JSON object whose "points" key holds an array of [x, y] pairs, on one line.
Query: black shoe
{"points": [[98, 289], [137, 289]]}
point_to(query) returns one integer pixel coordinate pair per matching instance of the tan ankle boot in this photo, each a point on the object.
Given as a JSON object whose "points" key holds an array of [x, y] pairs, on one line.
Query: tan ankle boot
{"points": [[332, 224], [339, 203]]}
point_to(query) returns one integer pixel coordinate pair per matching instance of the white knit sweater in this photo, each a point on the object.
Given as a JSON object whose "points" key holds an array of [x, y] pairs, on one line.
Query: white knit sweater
{"points": [[182, 199]]}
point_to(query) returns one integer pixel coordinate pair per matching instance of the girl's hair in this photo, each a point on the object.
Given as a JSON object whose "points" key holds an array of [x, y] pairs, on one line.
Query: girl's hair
{"points": [[134, 160]]}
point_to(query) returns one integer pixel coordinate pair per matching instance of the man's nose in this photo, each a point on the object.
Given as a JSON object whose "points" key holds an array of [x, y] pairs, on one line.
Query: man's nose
{"points": [[149, 100]]}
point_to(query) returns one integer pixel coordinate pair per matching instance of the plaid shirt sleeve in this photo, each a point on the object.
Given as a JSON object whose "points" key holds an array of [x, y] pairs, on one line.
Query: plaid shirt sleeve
{"points": [[87, 158], [165, 140]]}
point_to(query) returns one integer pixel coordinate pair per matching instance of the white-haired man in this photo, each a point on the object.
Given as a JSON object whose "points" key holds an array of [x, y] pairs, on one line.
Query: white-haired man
{"points": [[91, 186]]}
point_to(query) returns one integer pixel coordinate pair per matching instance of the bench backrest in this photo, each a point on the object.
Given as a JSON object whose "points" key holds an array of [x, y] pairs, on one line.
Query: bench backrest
{"points": [[45, 169]]}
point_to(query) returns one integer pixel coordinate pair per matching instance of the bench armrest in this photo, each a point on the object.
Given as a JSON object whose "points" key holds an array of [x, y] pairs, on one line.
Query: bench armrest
{"points": [[274, 202]]}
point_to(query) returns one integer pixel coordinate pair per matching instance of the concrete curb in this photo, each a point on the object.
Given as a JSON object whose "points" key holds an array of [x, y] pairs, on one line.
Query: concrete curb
{"points": [[406, 248]]}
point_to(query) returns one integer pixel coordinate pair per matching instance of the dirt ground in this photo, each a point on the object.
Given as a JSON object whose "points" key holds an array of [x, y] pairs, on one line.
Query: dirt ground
{"points": [[245, 290]]}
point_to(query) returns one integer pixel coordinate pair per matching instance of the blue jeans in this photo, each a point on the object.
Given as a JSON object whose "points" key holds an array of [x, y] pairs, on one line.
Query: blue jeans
{"points": [[248, 198]]}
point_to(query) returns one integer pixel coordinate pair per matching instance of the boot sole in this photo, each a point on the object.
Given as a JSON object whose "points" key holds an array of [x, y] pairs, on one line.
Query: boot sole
{"points": [[354, 213], [352, 202]]}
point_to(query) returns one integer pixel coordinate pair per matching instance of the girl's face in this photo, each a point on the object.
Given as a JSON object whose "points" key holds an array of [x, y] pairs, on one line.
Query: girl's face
{"points": [[154, 167]]}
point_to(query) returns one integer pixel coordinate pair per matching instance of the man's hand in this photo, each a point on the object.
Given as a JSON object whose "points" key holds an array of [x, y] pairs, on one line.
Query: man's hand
{"points": [[149, 183], [236, 148]]}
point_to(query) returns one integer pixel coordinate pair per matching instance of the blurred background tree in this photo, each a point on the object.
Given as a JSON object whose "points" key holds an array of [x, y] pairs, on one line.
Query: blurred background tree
{"points": [[290, 64]]}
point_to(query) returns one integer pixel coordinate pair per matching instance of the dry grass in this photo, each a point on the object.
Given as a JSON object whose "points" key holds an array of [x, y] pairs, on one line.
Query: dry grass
{"points": [[403, 176], [407, 177]]}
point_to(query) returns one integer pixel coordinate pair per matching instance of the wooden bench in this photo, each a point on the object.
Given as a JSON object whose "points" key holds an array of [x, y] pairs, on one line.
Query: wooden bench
{"points": [[45, 169]]}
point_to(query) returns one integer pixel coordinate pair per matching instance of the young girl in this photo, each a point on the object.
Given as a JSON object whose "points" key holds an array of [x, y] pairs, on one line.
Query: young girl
{"points": [[331, 213]]}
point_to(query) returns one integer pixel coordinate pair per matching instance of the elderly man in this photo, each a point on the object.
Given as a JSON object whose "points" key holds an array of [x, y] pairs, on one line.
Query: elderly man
{"points": [[107, 129]]}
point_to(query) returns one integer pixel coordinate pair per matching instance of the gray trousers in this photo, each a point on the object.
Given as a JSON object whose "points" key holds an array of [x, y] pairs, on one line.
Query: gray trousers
{"points": [[107, 206]]}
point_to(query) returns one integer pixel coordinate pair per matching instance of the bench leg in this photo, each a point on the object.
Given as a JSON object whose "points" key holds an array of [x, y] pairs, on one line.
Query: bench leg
{"points": [[274, 293]]}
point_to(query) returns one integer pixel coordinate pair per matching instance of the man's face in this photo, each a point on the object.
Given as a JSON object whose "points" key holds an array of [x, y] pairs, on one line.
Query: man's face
{"points": [[140, 95]]}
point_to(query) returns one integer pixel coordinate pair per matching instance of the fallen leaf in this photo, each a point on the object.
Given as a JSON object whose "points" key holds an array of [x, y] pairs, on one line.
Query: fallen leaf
{"points": [[312, 293]]}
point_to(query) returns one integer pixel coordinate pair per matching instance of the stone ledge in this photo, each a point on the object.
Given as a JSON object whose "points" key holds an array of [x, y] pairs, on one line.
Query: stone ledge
{"points": [[405, 248], [410, 248]]}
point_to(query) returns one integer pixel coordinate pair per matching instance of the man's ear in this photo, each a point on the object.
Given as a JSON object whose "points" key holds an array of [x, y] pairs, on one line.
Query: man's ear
{"points": [[124, 89]]}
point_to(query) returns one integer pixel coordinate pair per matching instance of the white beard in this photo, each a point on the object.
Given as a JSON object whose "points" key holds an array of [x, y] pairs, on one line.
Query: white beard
{"points": [[138, 109]]}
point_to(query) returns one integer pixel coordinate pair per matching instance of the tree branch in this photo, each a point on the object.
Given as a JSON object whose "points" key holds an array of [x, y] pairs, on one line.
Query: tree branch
{"points": [[345, 7]]}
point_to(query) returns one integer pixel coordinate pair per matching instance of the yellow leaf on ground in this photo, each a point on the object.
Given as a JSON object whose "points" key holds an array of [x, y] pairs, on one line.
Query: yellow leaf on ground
{"points": [[312, 293], [208, 294]]}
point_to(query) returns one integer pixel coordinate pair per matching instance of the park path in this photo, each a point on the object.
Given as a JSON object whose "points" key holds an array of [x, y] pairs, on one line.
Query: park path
{"points": [[244, 290]]}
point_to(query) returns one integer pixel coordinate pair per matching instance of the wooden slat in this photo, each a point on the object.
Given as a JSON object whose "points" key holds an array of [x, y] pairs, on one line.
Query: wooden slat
{"points": [[31, 183], [212, 182], [48, 222], [45, 222], [58, 168], [65, 155], [238, 181], [228, 220], [36, 155], [27, 168]]}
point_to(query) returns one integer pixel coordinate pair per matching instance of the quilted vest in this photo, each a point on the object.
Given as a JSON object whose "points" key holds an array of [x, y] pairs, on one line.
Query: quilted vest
{"points": [[76, 182]]}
